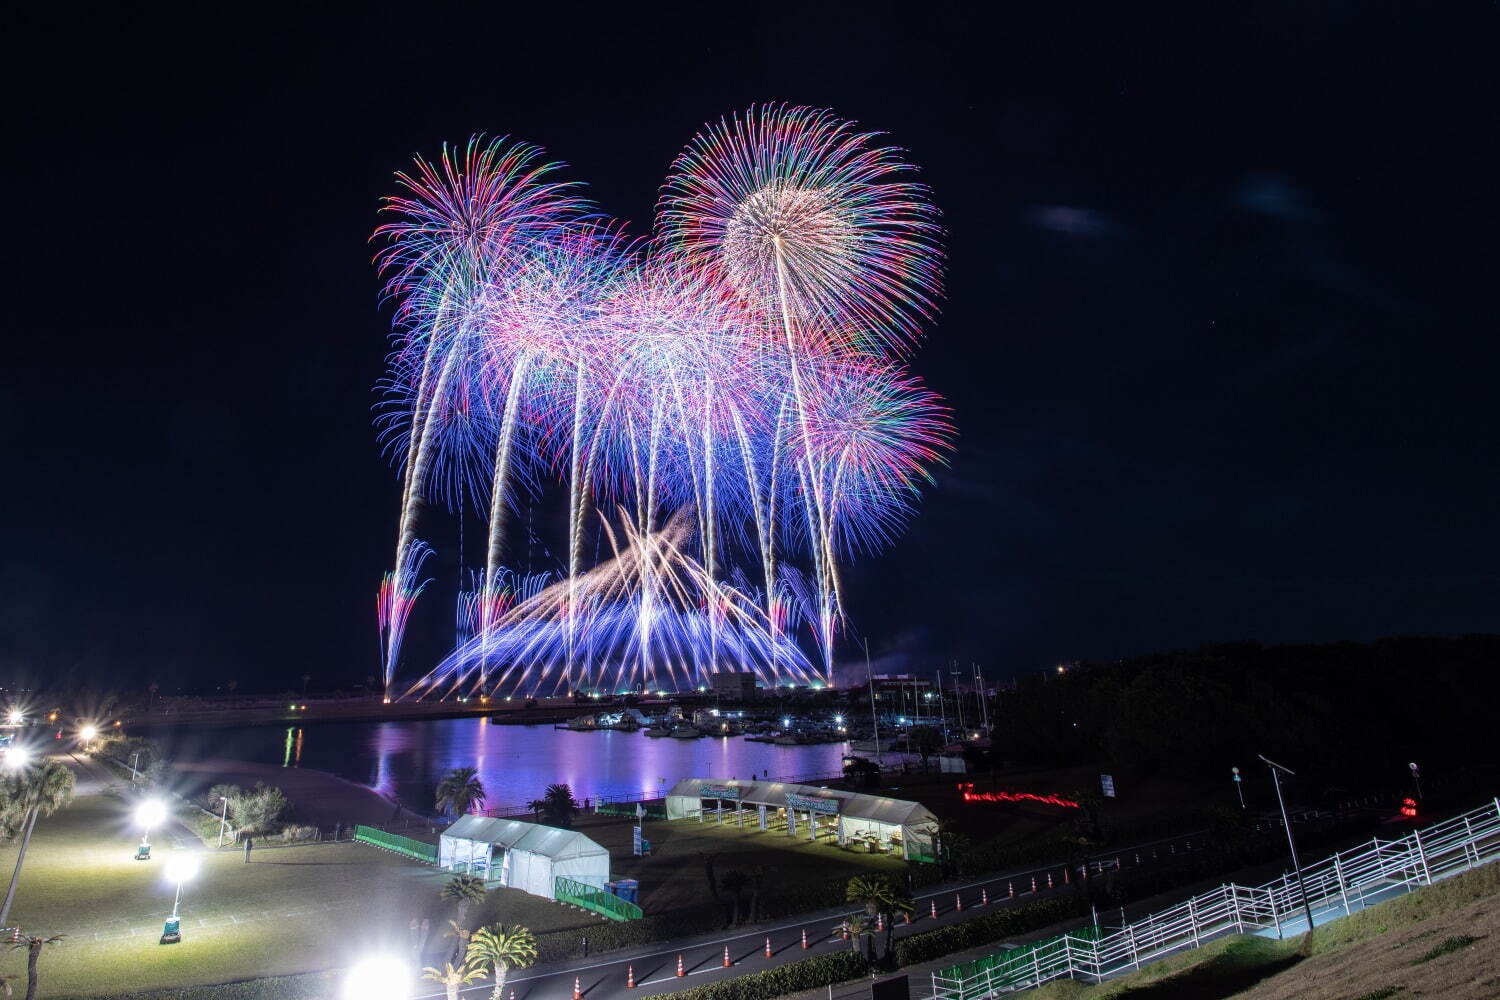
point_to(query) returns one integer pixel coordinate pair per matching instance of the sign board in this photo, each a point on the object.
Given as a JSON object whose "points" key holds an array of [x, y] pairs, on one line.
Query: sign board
{"points": [[639, 844], [806, 804], [718, 792], [1107, 785]]}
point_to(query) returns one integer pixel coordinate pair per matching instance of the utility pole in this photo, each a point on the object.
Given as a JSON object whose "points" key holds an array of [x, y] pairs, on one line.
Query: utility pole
{"points": [[1276, 772], [942, 705], [874, 717], [983, 698]]}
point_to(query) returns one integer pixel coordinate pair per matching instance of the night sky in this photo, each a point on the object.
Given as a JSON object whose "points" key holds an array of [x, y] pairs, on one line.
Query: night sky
{"points": [[1220, 330]]}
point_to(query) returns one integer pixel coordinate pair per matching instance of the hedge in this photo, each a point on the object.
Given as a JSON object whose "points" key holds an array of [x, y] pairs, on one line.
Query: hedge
{"points": [[991, 927], [807, 974], [308, 986]]}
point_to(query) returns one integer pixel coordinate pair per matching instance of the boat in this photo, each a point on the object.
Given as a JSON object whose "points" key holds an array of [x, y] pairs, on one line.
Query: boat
{"points": [[658, 730], [686, 732]]}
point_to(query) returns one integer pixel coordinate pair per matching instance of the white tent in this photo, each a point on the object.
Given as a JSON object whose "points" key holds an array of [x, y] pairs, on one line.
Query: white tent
{"points": [[851, 814], [525, 856]]}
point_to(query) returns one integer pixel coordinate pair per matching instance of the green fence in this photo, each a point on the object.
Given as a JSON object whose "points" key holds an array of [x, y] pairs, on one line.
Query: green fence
{"points": [[1008, 968], [420, 851], [601, 901]]}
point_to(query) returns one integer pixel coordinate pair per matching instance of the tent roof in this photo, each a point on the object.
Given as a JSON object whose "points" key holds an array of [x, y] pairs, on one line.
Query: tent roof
{"points": [[512, 834], [856, 805]]}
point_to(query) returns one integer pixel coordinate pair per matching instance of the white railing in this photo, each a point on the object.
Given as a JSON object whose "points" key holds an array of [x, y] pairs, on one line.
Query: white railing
{"points": [[1336, 886]]}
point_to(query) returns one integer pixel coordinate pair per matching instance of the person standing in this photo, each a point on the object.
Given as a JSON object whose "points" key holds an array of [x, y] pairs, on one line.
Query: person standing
{"points": [[249, 846]]}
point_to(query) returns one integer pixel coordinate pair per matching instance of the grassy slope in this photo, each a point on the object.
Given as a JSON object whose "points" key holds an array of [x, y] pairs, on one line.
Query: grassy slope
{"points": [[1374, 953]]}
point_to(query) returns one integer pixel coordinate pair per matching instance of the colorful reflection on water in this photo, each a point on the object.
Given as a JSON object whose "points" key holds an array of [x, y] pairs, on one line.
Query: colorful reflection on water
{"points": [[405, 760]]}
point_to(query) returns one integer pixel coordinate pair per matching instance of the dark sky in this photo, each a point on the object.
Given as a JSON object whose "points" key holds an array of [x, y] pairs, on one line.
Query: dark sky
{"points": [[1220, 332]]}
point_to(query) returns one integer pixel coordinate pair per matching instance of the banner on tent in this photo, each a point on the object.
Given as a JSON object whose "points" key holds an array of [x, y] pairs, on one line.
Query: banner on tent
{"points": [[827, 806], [718, 792]]}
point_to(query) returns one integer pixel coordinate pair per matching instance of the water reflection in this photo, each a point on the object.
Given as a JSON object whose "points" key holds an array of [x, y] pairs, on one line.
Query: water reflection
{"points": [[406, 760]]}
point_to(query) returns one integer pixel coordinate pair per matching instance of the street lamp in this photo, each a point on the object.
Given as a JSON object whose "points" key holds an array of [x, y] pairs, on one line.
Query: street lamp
{"points": [[1238, 786], [86, 734], [1276, 772], [223, 818], [16, 717], [150, 813], [379, 977], [1416, 777], [179, 870], [16, 757]]}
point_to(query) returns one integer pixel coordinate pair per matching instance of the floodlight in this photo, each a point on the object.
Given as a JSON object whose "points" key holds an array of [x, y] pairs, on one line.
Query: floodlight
{"points": [[180, 869], [378, 977], [150, 813]]}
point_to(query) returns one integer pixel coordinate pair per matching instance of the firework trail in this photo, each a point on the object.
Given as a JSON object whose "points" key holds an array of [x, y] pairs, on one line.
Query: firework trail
{"points": [[457, 223]]}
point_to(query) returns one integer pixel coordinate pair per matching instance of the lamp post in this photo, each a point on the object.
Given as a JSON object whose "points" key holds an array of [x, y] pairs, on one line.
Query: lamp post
{"points": [[179, 871], [379, 977], [149, 814], [223, 818], [134, 774], [1238, 786], [1416, 778], [1276, 772]]}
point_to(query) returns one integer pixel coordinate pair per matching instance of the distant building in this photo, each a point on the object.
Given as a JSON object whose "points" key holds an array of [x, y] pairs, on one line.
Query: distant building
{"points": [[736, 685]]}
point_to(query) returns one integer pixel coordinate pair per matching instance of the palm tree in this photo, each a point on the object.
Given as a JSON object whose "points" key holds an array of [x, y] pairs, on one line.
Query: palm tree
{"points": [[452, 978], [857, 928], [461, 945], [536, 806], [558, 805], [465, 890], [39, 793], [460, 791], [870, 891], [33, 943], [502, 949], [735, 882]]}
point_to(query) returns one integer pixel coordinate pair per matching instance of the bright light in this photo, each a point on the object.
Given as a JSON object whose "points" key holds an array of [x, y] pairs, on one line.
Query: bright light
{"points": [[379, 977], [786, 723], [182, 868], [87, 733], [150, 814], [17, 757], [838, 720], [16, 717]]}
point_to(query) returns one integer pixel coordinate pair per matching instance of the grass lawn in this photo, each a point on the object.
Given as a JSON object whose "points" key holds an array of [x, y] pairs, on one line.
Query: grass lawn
{"points": [[1437, 941], [292, 909]]}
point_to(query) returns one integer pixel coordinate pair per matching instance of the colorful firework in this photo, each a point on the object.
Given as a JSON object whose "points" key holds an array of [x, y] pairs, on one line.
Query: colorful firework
{"points": [[729, 392]]}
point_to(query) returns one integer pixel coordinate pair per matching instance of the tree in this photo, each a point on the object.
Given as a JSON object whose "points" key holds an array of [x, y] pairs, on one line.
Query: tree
{"points": [[558, 805], [256, 810], [870, 891], [857, 927], [451, 978], [735, 882], [461, 945], [39, 792], [33, 944], [465, 890], [536, 806], [502, 949], [460, 791]]}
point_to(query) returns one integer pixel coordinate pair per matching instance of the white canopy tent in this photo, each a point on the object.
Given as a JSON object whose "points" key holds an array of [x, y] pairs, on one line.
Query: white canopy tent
{"points": [[525, 856], [854, 814]]}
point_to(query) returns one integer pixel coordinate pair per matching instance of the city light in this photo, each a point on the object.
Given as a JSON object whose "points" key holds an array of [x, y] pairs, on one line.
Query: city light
{"points": [[16, 717], [87, 733], [16, 757], [182, 868], [379, 977], [150, 814]]}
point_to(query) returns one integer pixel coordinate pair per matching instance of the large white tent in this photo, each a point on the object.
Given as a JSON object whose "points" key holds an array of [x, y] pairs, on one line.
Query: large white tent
{"points": [[525, 856], [851, 815]]}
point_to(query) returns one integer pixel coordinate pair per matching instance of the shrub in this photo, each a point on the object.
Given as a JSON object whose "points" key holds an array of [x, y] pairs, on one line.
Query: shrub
{"points": [[294, 833], [991, 927], [808, 974], [257, 810]]}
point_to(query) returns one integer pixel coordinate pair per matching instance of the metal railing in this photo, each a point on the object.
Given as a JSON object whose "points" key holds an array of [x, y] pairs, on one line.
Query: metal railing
{"points": [[1336, 886], [601, 901], [415, 849]]}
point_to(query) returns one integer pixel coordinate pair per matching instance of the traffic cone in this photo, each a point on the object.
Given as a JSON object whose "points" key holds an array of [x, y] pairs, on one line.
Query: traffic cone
{"points": [[1012, 889], [934, 909], [907, 915], [958, 903], [1049, 880], [680, 970], [984, 897], [1033, 883], [768, 947], [805, 945], [1067, 877], [577, 989], [727, 963], [630, 977], [512, 993], [879, 922]]}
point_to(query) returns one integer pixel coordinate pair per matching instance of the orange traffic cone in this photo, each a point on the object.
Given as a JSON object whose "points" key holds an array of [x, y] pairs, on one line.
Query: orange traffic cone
{"points": [[907, 915], [577, 989], [1012, 890], [1033, 883], [934, 909], [727, 962], [680, 970], [805, 945], [879, 922], [958, 903], [630, 977], [768, 948], [1049, 880], [984, 897], [1067, 877]]}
